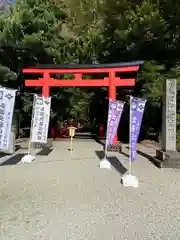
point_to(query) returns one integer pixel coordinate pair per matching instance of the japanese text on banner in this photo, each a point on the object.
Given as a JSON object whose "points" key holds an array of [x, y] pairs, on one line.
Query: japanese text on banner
{"points": [[114, 116], [7, 100], [40, 123], [137, 110]]}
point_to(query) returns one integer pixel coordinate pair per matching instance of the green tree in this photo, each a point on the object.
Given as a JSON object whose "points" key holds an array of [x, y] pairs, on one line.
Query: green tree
{"points": [[37, 31]]}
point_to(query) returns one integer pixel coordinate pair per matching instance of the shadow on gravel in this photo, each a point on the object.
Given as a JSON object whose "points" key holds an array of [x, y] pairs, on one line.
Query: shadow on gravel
{"points": [[84, 135], [114, 162], [17, 147], [2, 154], [100, 141], [45, 152], [150, 158], [13, 160], [125, 154]]}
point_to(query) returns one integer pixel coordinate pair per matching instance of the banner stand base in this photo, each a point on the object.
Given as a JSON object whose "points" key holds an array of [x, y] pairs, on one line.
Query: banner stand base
{"points": [[129, 181], [28, 158], [105, 164]]}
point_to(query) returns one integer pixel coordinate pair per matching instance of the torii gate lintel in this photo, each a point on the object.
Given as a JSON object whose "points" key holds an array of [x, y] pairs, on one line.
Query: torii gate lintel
{"points": [[111, 81]]}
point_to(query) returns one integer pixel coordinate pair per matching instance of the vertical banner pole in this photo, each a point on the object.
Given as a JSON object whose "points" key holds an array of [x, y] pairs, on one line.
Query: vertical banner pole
{"points": [[29, 147], [137, 107], [114, 116], [71, 139], [105, 148], [130, 135], [32, 120]]}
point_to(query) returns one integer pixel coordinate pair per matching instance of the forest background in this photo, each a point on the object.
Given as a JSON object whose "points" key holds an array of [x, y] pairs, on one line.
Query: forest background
{"points": [[92, 31]]}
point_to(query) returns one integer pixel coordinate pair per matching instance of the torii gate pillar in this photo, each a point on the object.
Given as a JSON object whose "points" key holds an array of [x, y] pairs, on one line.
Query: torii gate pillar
{"points": [[112, 81]]}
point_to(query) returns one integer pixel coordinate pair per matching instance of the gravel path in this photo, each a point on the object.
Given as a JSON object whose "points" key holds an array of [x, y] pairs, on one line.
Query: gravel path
{"points": [[63, 197]]}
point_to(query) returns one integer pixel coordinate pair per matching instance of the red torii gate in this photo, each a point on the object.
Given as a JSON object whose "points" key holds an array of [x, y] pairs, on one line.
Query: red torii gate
{"points": [[111, 81]]}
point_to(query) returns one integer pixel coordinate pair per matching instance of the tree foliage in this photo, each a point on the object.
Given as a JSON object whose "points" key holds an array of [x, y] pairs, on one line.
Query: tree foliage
{"points": [[91, 31]]}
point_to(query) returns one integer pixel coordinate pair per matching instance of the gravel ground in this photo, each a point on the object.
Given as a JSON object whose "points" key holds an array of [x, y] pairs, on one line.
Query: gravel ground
{"points": [[63, 197]]}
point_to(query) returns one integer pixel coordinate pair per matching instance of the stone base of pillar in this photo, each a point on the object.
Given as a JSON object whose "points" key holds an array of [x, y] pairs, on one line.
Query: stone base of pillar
{"points": [[169, 159], [115, 148]]}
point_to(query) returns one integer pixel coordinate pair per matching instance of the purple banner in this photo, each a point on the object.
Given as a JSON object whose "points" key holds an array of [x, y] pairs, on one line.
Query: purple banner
{"points": [[114, 116], [137, 107]]}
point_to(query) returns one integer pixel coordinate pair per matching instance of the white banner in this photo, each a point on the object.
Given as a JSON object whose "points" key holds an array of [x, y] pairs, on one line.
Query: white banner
{"points": [[7, 100], [40, 119]]}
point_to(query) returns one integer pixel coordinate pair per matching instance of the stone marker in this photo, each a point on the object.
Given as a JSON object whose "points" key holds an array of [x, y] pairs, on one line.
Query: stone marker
{"points": [[168, 155], [169, 116]]}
